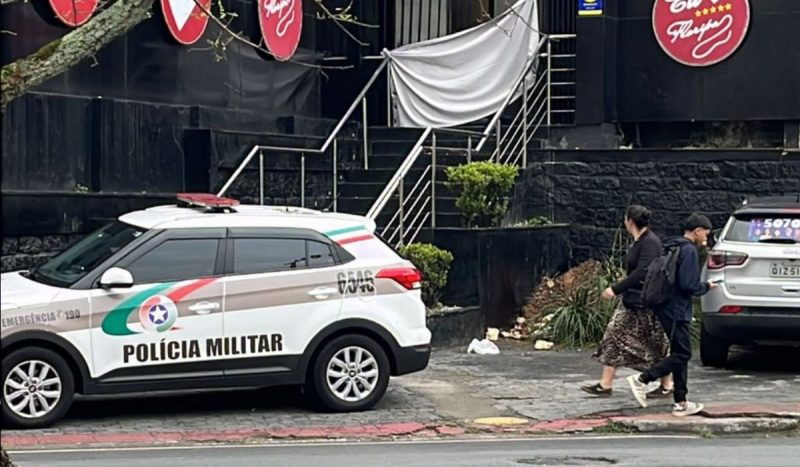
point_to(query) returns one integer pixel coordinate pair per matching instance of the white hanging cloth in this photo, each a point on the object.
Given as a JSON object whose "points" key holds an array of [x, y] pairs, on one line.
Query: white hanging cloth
{"points": [[466, 76]]}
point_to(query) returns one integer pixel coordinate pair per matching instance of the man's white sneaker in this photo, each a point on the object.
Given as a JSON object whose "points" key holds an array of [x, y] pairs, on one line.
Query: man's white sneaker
{"points": [[683, 409], [639, 389]]}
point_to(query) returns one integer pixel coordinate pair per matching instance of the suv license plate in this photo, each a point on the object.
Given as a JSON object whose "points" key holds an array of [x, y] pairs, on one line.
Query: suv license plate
{"points": [[785, 270]]}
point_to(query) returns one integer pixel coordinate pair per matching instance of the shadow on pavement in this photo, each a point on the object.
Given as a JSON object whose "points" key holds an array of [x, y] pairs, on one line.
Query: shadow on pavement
{"points": [[759, 359], [216, 401]]}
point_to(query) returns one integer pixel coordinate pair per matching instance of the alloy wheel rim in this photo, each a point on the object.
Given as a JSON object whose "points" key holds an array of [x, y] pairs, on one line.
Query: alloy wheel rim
{"points": [[32, 389], [352, 374]]}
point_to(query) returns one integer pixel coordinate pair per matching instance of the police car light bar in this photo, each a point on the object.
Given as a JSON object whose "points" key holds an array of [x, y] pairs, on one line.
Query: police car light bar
{"points": [[205, 200]]}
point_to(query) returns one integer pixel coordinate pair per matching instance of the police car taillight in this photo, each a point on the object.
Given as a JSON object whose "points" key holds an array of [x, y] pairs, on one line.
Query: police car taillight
{"points": [[205, 200], [410, 278]]}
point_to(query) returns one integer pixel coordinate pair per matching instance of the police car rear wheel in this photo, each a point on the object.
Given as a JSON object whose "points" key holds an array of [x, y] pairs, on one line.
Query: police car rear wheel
{"points": [[37, 387], [351, 373]]}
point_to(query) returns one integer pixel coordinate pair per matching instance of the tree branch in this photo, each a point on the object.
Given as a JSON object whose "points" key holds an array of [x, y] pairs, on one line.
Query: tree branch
{"points": [[61, 54]]}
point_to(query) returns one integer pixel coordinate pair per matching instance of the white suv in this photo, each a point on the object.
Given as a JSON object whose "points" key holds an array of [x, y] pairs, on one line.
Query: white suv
{"points": [[210, 294], [756, 261]]}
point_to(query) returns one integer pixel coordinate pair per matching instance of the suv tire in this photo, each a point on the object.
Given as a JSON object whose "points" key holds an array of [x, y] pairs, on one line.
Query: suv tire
{"points": [[713, 351], [53, 382], [349, 374]]}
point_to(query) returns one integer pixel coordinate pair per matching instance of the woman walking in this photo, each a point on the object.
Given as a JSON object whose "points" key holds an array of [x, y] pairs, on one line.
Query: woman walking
{"points": [[633, 338]]}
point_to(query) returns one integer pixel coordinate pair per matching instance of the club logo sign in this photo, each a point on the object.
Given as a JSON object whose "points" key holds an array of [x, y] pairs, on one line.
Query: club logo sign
{"points": [[74, 12], [281, 24], [700, 32], [185, 19]]}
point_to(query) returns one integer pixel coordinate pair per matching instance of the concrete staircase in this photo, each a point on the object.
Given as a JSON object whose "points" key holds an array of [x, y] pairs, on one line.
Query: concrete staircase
{"points": [[360, 188]]}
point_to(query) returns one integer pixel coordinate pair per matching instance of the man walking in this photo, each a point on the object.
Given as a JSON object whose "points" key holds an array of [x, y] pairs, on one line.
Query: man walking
{"points": [[676, 316]]}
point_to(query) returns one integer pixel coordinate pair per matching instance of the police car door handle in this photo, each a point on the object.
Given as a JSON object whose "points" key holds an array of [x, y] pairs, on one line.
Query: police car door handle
{"points": [[321, 293], [202, 308], [791, 289]]}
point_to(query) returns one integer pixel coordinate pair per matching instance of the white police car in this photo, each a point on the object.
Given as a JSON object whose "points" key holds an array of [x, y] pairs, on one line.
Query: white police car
{"points": [[209, 294]]}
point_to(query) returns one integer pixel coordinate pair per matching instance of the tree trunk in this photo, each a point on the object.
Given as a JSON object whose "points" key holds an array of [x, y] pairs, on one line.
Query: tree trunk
{"points": [[85, 41]]}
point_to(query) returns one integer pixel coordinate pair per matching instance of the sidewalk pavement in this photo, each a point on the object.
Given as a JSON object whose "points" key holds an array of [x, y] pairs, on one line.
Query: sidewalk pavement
{"points": [[458, 395]]}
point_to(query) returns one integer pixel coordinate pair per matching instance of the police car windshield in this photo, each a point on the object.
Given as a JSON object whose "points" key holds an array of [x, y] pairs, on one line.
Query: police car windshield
{"points": [[78, 260]]}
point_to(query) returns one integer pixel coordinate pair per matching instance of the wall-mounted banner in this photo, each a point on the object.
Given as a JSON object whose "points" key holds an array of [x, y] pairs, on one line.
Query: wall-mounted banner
{"points": [[74, 12], [281, 24], [700, 32], [185, 19], [590, 7]]}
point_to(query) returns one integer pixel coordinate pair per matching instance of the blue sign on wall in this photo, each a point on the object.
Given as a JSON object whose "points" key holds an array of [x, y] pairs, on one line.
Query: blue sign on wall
{"points": [[590, 7]]}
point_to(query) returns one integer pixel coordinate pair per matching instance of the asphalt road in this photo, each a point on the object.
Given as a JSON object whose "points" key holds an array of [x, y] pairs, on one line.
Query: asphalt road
{"points": [[595, 451]]}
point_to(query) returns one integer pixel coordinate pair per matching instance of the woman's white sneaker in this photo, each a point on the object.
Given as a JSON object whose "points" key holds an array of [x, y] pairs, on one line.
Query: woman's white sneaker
{"points": [[682, 409]]}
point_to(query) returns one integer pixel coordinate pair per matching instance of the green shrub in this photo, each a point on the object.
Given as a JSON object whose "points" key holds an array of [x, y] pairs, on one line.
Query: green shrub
{"points": [[484, 190], [434, 263], [538, 221]]}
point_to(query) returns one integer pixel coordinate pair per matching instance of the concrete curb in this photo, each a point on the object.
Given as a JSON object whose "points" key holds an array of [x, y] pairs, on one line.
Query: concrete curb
{"points": [[717, 419]]}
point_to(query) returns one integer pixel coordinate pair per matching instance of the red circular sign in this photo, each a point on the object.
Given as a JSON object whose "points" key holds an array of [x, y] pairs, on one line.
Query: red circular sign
{"points": [[700, 32], [281, 24], [185, 19], [74, 12]]}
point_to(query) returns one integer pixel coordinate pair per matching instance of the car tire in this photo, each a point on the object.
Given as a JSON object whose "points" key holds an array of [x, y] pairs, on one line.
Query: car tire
{"points": [[713, 351], [344, 389], [52, 395]]}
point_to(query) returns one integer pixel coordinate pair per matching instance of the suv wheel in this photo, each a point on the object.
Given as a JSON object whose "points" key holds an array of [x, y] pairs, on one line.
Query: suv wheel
{"points": [[350, 373], [37, 386], [713, 351]]}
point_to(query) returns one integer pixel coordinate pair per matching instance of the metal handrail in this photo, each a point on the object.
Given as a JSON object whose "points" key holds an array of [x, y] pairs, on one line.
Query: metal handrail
{"points": [[360, 99], [413, 212], [405, 166]]}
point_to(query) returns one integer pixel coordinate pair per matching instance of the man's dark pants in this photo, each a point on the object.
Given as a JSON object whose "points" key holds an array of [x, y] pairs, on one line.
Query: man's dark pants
{"points": [[677, 363]]}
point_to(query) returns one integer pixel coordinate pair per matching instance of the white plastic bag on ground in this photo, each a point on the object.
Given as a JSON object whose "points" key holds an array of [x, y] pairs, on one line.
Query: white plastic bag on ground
{"points": [[483, 347]]}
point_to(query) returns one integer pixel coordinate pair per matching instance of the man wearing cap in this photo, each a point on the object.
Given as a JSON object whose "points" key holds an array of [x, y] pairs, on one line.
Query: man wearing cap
{"points": [[676, 317]]}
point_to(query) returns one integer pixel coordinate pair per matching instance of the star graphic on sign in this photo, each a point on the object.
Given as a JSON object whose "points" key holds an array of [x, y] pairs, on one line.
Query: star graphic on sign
{"points": [[158, 314], [698, 13], [705, 11], [713, 9], [729, 7]]}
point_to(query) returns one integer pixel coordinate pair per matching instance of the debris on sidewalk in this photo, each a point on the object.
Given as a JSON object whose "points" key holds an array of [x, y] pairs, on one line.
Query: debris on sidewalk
{"points": [[483, 347], [519, 331], [543, 345], [492, 334]]}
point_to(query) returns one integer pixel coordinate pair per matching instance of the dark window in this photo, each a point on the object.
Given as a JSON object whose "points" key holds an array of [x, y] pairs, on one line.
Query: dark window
{"points": [[256, 255], [320, 255], [176, 260]]}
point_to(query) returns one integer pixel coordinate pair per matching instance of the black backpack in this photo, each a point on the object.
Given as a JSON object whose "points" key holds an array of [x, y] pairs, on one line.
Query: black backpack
{"points": [[659, 281]]}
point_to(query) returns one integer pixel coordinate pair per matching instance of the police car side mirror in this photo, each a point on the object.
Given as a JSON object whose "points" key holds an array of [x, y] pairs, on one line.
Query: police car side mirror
{"points": [[116, 278]]}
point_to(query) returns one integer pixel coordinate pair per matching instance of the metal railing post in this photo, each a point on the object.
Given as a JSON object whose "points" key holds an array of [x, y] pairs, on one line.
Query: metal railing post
{"points": [[261, 177], [549, 79], [524, 125], [433, 183], [469, 149], [400, 196], [335, 176], [389, 97], [499, 143], [302, 180], [364, 131]]}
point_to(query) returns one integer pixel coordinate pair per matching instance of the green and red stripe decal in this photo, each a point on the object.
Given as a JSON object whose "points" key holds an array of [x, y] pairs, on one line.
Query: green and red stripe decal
{"points": [[349, 235], [116, 321]]}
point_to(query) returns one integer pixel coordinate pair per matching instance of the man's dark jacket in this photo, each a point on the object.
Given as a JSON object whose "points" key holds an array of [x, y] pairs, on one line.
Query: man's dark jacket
{"points": [[687, 281]]}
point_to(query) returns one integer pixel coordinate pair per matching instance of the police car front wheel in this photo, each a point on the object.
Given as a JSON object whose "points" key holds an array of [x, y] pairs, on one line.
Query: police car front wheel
{"points": [[37, 388], [350, 373]]}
